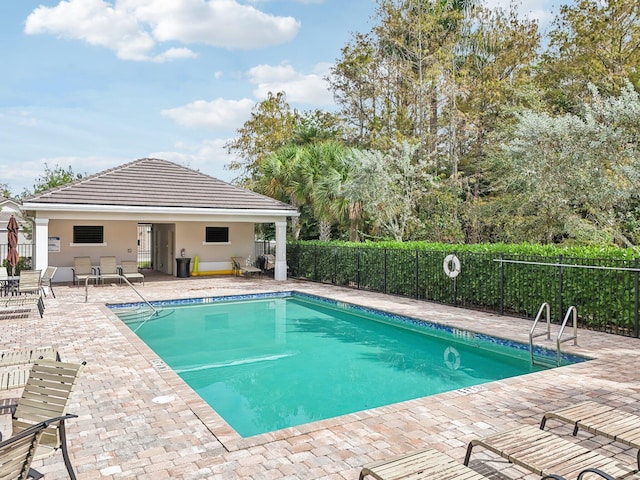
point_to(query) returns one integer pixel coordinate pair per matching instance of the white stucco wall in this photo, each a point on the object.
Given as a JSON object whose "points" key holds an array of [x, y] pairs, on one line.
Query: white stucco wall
{"points": [[179, 228], [121, 241], [214, 256]]}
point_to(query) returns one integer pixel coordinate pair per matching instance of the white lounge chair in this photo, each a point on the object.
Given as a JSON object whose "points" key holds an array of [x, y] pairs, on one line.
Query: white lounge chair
{"points": [[420, 465], [600, 419], [45, 281], [47, 394], [82, 269], [129, 270], [29, 282], [240, 266], [108, 269], [545, 453]]}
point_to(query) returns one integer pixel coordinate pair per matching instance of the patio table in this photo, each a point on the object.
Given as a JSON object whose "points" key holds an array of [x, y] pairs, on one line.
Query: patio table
{"points": [[7, 283]]}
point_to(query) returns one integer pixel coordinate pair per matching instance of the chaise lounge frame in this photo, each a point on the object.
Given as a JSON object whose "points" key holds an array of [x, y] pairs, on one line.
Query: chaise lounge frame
{"points": [[240, 266], [600, 419], [17, 377], [17, 452], [545, 453], [420, 465], [47, 394], [20, 306]]}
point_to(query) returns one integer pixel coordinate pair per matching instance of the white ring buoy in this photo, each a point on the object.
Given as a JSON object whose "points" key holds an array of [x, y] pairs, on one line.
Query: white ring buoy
{"points": [[451, 266], [452, 363]]}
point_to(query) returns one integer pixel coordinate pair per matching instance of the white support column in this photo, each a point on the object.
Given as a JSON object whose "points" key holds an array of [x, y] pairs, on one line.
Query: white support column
{"points": [[41, 239], [280, 272]]}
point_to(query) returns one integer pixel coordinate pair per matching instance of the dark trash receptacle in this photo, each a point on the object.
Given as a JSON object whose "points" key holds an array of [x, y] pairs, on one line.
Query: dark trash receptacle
{"points": [[182, 267]]}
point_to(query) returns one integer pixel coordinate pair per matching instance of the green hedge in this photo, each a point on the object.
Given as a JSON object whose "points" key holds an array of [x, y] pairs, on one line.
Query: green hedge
{"points": [[605, 297]]}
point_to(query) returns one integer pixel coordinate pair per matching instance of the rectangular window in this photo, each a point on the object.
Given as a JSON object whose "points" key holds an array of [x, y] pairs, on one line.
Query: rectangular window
{"points": [[88, 234], [216, 235]]}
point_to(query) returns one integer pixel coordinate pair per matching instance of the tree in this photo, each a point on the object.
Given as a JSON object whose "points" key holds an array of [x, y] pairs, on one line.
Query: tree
{"points": [[390, 186], [279, 179], [569, 177], [493, 77], [308, 175], [52, 178], [4, 190], [268, 129], [317, 126], [591, 42], [389, 82], [355, 82], [323, 170]]}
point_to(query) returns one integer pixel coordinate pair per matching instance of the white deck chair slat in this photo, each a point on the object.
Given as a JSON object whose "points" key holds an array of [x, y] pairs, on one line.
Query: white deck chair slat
{"points": [[29, 355], [47, 395], [600, 419], [543, 453], [420, 465]]}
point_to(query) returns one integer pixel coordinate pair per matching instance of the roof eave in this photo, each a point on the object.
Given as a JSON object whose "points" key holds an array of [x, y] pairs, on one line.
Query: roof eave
{"points": [[240, 212]]}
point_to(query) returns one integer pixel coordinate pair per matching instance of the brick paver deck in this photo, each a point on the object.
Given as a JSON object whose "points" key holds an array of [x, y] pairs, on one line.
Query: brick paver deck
{"points": [[137, 419]]}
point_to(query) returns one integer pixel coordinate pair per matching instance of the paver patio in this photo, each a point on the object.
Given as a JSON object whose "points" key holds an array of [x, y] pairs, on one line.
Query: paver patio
{"points": [[123, 433]]}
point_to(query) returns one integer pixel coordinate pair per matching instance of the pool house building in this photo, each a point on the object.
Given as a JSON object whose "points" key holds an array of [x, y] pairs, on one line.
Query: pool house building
{"points": [[171, 211]]}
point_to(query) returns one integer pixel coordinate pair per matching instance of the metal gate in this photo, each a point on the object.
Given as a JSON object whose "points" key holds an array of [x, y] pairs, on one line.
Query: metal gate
{"points": [[145, 246]]}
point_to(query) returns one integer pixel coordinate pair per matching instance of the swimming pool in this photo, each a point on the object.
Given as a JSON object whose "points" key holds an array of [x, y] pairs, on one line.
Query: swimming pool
{"points": [[271, 361]]}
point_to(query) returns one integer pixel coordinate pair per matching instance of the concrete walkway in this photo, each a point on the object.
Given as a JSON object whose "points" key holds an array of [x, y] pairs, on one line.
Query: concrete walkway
{"points": [[124, 429]]}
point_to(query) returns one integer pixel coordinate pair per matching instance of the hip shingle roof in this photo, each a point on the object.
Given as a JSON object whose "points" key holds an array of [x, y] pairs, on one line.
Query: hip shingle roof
{"points": [[152, 182]]}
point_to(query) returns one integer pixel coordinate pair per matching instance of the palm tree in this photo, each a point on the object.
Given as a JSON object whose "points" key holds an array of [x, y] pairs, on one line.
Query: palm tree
{"points": [[345, 204], [280, 180], [324, 171], [313, 174]]}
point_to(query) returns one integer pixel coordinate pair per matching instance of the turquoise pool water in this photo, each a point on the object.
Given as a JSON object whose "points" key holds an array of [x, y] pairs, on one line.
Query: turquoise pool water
{"points": [[269, 363]]}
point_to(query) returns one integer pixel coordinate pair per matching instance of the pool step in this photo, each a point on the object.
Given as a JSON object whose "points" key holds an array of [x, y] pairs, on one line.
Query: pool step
{"points": [[572, 313], [544, 360], [139, 314]]}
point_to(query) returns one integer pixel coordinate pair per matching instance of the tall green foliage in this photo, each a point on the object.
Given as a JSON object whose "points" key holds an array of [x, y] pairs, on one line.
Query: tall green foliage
{"points": [[4, 190], [570, 177], [268, 129], [591, 42], [309, 175], [390, 186], [512, 279], [508, 141]]}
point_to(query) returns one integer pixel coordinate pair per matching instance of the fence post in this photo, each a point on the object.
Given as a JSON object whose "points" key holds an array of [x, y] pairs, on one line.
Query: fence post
{"points": [[560, 302], [501, 284], [315, 263], [636, 297], [358, 267], [417, 271], [384, 263], [455, 287], [335, 265]]}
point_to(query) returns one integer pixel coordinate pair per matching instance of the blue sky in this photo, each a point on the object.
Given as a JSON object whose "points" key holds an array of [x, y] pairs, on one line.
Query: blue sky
{"points": [[93, 84]]}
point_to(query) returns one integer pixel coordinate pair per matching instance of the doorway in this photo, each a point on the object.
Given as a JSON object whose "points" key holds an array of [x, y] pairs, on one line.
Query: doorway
{"points": [[156, 246]]}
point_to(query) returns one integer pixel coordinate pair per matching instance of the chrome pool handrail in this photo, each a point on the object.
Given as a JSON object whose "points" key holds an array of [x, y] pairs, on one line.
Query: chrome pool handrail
{"points": [[122, 277]]}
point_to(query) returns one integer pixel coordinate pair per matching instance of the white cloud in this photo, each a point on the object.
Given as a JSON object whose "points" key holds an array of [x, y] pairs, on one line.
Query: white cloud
{"points": [[219, 113], [309, 89], [133, 28], [209, 157], [224, 23], [302, 88], [22, 118]]}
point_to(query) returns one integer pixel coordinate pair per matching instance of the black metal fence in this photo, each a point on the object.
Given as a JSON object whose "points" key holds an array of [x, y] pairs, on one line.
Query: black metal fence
{"points": [[605, 292]]}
